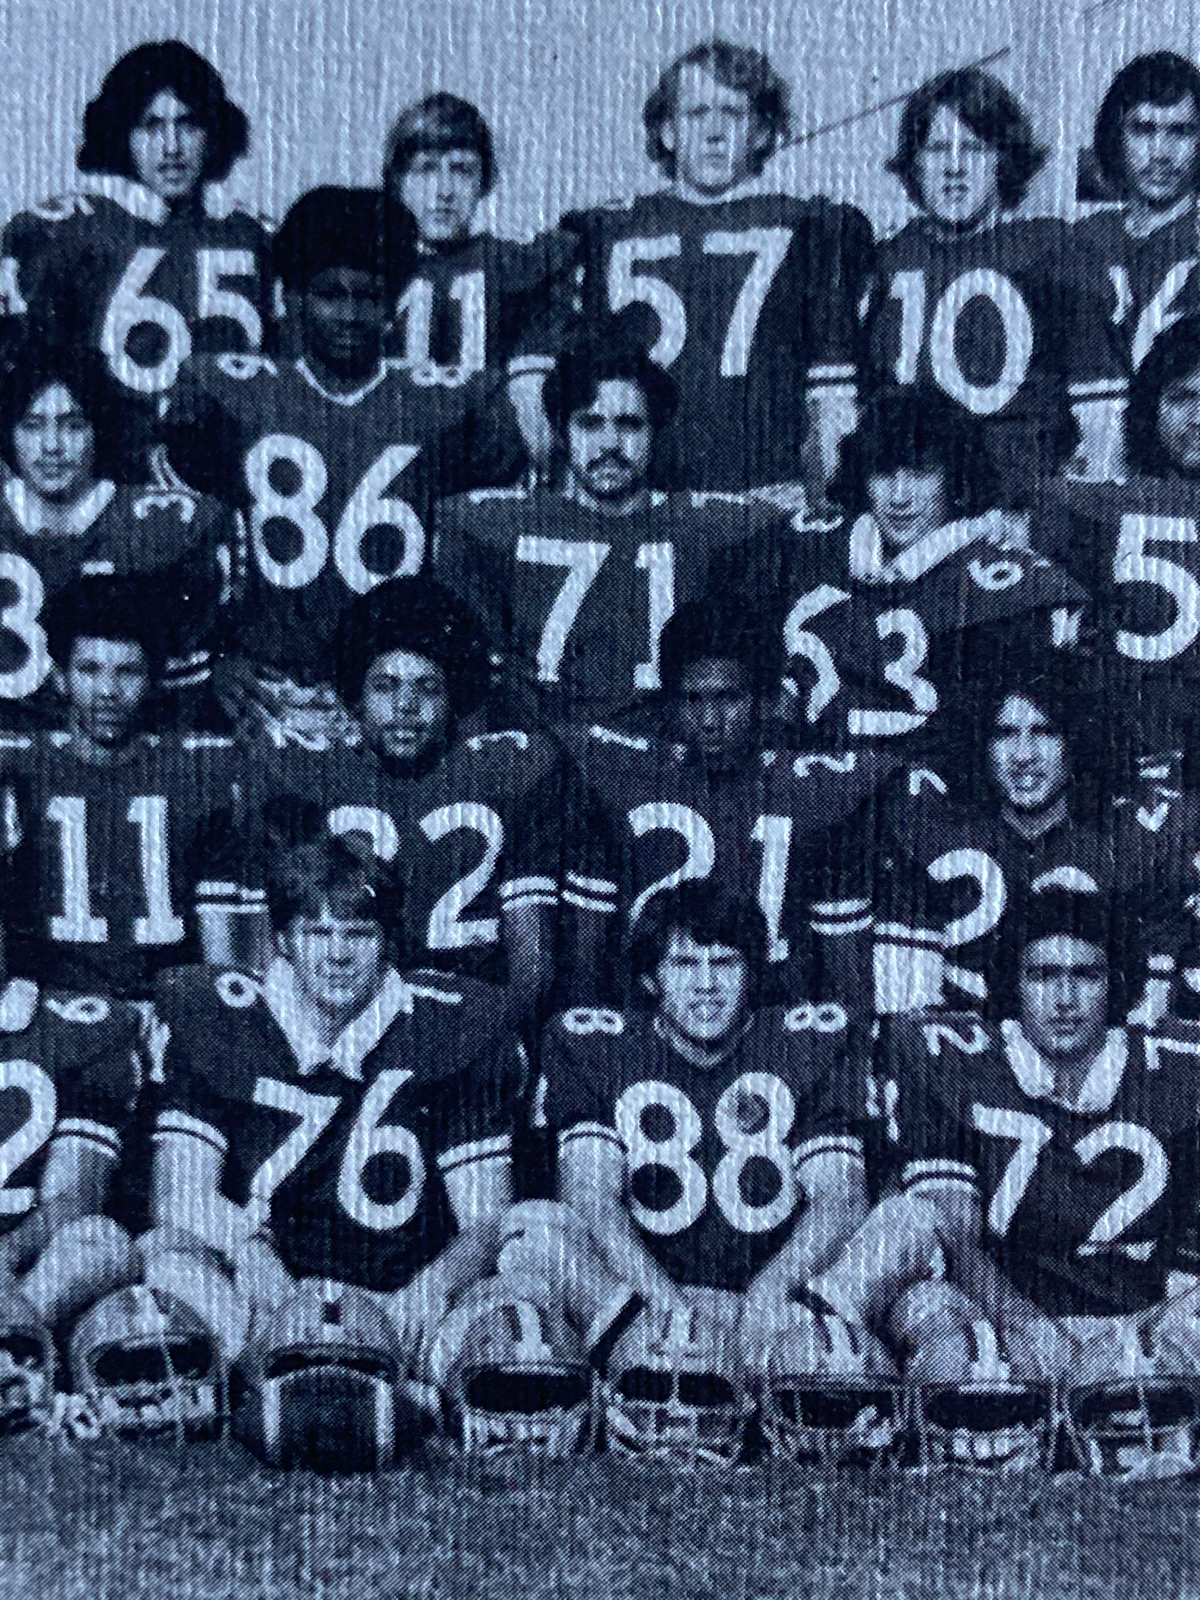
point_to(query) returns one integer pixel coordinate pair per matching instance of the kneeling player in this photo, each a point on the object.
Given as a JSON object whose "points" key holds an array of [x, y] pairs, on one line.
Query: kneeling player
{"points": [[333, 1120], [1048, 1162], [69, 1082], [715, 1151]]}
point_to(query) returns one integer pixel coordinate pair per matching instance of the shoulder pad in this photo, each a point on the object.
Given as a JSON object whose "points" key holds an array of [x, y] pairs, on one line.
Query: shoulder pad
{"points": [[825, 1016], [428, 991], [699, 498], [58, 208], [629, 741], [1065, 877], [592, 1019], [185, 501], [477, 497], [244, 367]]}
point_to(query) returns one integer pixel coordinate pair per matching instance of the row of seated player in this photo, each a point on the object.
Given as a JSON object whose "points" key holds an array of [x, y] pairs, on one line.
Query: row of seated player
{"points": [[746, 294], [912, 575], [753, 1205], [888, 880]]}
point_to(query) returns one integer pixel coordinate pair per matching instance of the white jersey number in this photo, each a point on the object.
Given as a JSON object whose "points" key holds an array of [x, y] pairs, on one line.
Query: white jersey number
{"points": [[982, 400], [369, 1137], [77, 922], [582, 560], [131, 307], [767, 249], [774, 1108], [1132, 563], [468, 290], [38, 1088], [1032, 1136], [367, 508], [21, 619]]}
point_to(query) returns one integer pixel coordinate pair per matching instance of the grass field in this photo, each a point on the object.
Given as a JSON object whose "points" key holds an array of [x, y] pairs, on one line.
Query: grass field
{"points": [[111, 1522]]}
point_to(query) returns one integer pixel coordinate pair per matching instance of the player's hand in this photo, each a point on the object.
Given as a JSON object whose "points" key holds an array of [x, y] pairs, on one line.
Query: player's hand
{"points": [[1041, 1348]]}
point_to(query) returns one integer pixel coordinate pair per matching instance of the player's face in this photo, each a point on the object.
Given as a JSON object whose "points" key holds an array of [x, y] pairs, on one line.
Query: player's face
{"points": [[702, 989], [1027, 757], [339, 963], [714, 711], [405, 707], [442, 189], [907, 503], [956, 172], [1064, 997], [1179, 424], [609, 443], [55, 445], [713, 134], [1161, 147], [167, 146], [344, 311], [106, 682]]}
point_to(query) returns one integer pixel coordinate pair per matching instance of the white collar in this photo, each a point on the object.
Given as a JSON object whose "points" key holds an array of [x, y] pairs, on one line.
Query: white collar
{"points": [[356, 1040], [30, 510], [143, 203], [353, 396], [869, 562], [18, 1002], [1036, 1076]]}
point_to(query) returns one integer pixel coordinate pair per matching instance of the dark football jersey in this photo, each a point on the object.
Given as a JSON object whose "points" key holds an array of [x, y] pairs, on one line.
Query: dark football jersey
{"points": [[746, 299], [485, 304], [344, 1157], [106, 861], [715, 1155], [580, 598], [114, 268], [960, 870], [995, 321], [878, 646], [793, 832], [1086, 1211], [69, 1068], [482, 831], [188, 542], [1142, 285], [1136, 546], [337, 489]]}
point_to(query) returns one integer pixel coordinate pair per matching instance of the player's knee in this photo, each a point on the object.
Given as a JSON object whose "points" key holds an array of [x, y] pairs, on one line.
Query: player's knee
{"points": [[169, 1240], [85, 1258], [538, 1236], [937, 1330]]}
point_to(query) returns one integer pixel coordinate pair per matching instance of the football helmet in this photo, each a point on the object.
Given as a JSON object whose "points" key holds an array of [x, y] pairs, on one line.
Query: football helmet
{"points": [[675, 1391], [519, 1382], [144, 1362], [26, 1365], [970, 1410], [1132, 1409], [832, 1394], [320, 1385]]}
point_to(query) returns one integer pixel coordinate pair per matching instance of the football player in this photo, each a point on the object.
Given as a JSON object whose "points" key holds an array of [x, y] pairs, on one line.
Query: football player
{"points": [[748, 295], [1021, 808], [707, 794], [925, 582], [65, 511], [1147, 148], [476, 304], [332, 1119], [1131, 544], [106, 821], [1046, 1167], [334, 456], [70, 1076], [474, 823], [714, 1149], [579, 583], [143, 263], [979, 307]]}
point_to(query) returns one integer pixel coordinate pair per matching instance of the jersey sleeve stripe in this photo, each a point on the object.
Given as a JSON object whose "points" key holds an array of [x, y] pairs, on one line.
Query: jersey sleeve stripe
{"points": [[839, 908], [830, 1144], [840, 928], [829, 373], [179, 1124], [522, 364], [966, 980], [95, 1132], [590, 1130], [902, 933], [605, 886], [606, 907], [477, 1150], [931, 1188], [1098, 389]]}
